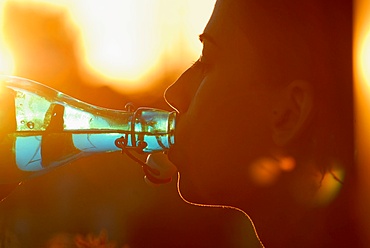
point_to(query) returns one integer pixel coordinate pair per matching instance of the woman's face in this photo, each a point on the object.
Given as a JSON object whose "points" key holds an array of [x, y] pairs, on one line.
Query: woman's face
{"points": [[225, 114]]}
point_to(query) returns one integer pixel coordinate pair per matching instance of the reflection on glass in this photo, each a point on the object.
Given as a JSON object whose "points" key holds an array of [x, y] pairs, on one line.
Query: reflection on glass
{"points": [[42, 128]]}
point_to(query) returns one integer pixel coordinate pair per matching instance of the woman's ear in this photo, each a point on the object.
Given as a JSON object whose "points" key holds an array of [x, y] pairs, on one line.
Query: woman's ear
{"points": [[293, 112]]}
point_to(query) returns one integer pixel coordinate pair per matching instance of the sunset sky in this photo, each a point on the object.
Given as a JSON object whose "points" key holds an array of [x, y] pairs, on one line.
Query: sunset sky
{"points": [[128, 43]]}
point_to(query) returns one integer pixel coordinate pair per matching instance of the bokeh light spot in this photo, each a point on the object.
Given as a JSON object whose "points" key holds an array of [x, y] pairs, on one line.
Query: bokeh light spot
{"points": [[287, 163], [264, 171], [330, 186]]}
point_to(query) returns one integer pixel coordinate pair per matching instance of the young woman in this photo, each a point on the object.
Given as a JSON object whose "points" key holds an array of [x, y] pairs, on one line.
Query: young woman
{"points": [[265, 119]]}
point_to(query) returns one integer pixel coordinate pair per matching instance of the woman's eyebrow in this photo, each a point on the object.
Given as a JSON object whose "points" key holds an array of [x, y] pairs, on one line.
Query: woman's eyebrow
{"points": [[207, 37]]}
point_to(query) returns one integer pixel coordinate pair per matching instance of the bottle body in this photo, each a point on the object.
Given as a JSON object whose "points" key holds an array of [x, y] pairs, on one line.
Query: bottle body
{"points": [[42, 128]]}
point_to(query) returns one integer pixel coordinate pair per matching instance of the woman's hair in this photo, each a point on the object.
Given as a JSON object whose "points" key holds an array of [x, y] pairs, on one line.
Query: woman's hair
{"points": [[309, 40], [312, 40]]}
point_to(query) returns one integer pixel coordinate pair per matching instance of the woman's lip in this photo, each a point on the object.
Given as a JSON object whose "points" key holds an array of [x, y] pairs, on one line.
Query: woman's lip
{"points": [[173, 156], [173, 152], [170, 154]]}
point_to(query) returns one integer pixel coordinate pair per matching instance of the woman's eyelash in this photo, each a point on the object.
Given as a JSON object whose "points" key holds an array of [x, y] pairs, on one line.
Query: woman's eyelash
{"points": [[196, 63]]}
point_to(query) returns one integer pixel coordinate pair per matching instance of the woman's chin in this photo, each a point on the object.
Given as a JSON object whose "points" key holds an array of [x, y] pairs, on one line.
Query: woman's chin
{"points": [[189, 192], [192, 193]]}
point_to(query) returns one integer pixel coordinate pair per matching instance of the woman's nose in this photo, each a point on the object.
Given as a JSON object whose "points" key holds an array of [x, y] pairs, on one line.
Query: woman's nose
{"points": [[180, 94]]}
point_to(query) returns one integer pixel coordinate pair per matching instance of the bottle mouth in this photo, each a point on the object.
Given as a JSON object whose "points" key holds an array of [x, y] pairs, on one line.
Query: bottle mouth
{"points": [[171, 128], [152, 129]]}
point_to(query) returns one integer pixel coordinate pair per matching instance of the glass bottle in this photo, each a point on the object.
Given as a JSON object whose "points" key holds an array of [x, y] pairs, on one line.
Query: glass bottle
{"points": [[41, 128]]}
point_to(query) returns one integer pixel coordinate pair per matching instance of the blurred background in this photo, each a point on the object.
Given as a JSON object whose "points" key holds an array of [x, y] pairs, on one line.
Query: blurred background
{"points": [[109, 53], [131, 48]]}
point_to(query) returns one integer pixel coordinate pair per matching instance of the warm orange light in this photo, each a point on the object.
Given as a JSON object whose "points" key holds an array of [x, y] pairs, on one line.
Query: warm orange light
{"points": [[330, 186], [131, 44], [119, 37], [364, 57], [265, 171], [287, 163], [362, 96], [6, 60]]}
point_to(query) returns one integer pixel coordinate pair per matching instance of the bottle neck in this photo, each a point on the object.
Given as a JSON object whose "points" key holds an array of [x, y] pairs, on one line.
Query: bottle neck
{"points": [[146, 130], [49, 128]]}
